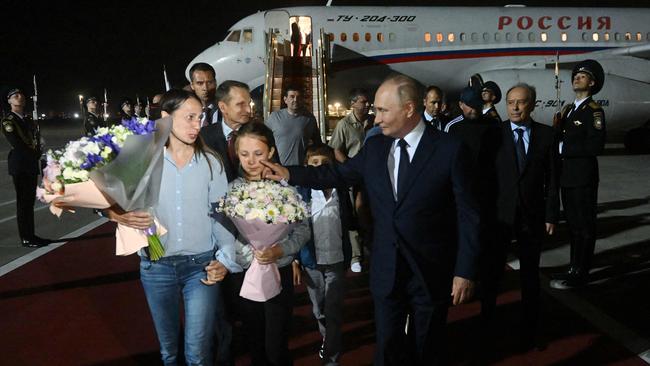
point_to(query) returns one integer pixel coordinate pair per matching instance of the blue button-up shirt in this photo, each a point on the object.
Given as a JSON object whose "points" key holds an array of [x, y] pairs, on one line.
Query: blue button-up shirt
{"points": [[185, 200], [526, 134]]}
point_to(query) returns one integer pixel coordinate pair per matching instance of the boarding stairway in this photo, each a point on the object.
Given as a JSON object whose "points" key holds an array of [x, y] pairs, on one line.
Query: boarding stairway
{"points": [[307, 73]]}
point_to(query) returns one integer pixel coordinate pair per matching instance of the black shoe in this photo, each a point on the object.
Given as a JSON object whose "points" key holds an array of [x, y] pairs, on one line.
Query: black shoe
{"points": [[569, 283], [564, 275], [35, 242]]}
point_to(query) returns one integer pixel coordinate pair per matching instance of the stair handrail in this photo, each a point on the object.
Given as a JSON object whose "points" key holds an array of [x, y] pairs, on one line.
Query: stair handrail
{"points": [[270, 70]]}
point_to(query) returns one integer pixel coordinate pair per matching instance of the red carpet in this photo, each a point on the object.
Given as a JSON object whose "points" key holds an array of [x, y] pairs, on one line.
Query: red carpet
{"points": [[82, 305]]}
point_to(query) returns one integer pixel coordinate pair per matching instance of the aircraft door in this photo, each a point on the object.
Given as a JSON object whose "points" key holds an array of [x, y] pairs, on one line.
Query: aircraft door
{"points": [[278, 22]]}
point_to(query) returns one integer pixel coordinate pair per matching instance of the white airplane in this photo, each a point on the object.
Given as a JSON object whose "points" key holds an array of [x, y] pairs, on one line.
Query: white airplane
{"points": [[448, 46]]}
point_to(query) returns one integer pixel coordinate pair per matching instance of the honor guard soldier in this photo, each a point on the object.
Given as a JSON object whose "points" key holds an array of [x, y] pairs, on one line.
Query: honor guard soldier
{"points": [[92, 120], [581, 128], [23, 136], [126, 110], [491, 95]]}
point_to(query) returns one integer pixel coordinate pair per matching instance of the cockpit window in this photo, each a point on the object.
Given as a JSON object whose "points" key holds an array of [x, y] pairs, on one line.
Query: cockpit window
{"points": [[234, 36], [248, 36]]}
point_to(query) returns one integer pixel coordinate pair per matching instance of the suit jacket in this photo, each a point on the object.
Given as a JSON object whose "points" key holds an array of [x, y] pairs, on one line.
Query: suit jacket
{"points": [[535, 190], [215, 139], [583, 136], [434, 225], [440, 119]]}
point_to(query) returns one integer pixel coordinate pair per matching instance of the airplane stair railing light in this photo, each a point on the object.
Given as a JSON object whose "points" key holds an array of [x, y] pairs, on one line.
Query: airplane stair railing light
{"points": [[322, 59], [269, 76]]}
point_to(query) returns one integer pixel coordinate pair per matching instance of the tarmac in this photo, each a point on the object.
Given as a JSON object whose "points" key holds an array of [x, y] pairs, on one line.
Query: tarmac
{"points": [[615, 302]]}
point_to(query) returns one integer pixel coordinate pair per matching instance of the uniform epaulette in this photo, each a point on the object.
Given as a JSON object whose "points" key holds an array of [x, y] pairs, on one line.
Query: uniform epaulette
{"points": [[594, 105]]}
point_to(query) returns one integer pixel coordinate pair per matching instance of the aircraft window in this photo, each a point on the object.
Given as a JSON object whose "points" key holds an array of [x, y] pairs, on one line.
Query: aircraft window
{"points": [[564, 37], [617, 36], [332, 37], [380, 37], [344, 37], [531, 37], [595, 37], [451, 37], [606, 37], [639, 37], [234, 36], [439, 37], [368, 37], [355, 37], [508, 37], [463, 37], [520, 36], [486, 36], [248, 35], [391, 37], [584, 36], [497, 37], [474, 37], [648, 36], [628, 36], [543, 37], [427, 37]]}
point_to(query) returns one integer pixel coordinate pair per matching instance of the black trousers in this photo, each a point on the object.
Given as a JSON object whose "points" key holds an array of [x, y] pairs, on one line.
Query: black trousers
{"points": [[25, 186], [424, 342], [228, 313], [527, 247], [580, 210], [267, 325]]}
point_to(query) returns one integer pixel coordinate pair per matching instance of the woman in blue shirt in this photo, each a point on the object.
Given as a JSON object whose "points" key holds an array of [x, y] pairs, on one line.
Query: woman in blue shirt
{"points": [[192, 179]]}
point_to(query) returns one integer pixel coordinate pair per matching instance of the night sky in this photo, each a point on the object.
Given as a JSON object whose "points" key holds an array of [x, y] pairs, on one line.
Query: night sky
{"points": [[83, 47]]}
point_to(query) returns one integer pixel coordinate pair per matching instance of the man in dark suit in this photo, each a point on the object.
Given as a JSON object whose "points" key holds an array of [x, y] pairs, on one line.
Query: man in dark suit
{"points": [[204, 84], [527, 204], [433, 102], [234, 103], [426, 223]]}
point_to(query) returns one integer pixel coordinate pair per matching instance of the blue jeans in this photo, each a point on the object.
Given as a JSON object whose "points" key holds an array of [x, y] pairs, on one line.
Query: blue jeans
{"points": [[167, 282]]}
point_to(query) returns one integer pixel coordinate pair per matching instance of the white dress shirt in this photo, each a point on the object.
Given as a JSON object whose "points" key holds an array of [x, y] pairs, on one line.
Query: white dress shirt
{"points": [[412, 139]]}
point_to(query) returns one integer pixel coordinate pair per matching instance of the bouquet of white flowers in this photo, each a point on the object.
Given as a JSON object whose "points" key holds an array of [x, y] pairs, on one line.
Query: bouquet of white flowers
{"points": [[120, 164], [263, 212]]}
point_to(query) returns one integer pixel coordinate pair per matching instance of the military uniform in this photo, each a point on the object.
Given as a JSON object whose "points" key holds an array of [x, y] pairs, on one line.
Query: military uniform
{"points": [[91, 120], [582, 138], [23, 136], [492, 111], [492, 114]]}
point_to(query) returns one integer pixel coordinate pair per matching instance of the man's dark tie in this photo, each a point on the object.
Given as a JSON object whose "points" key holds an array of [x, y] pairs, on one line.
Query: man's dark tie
{"points": [[402, 171], [232, 155], [207, 117], [521, 150]]}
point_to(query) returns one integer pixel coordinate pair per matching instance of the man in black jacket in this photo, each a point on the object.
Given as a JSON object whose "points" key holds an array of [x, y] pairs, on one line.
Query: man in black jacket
{"points": [[582, 137], [526, 204]]}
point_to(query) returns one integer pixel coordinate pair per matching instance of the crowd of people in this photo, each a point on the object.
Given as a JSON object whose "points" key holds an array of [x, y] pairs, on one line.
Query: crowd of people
{"points": [[438, 200]]}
